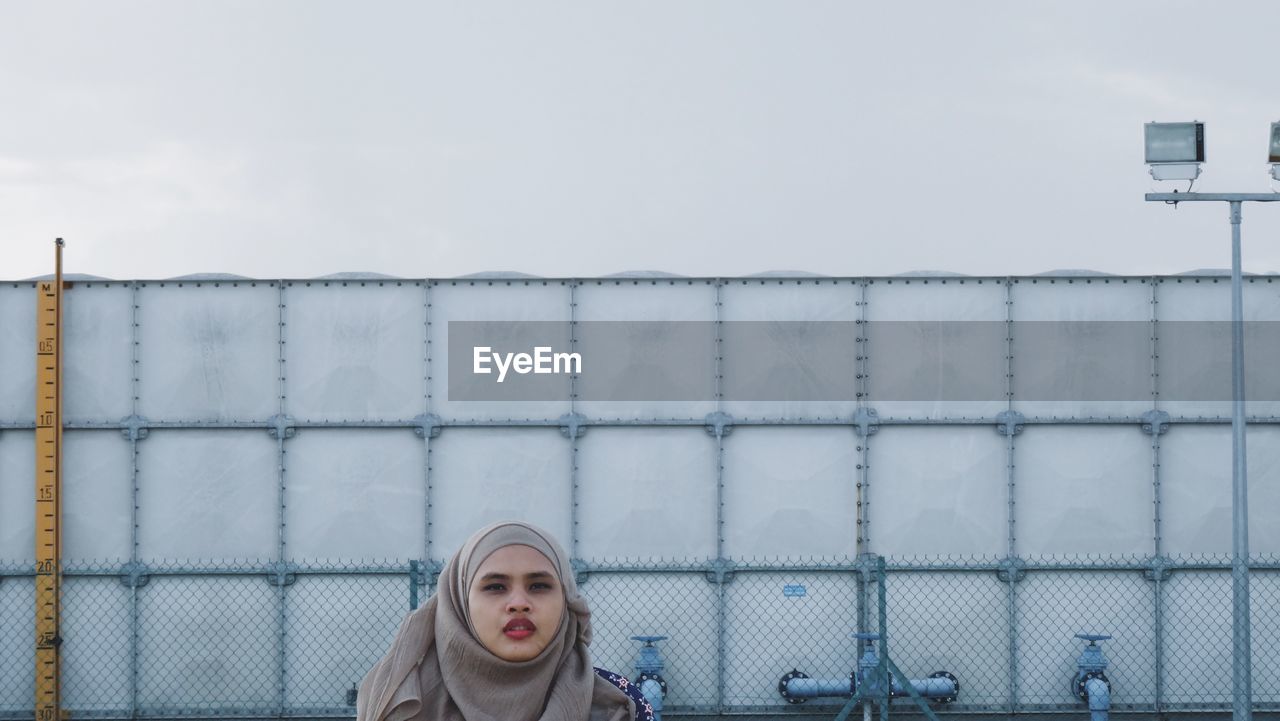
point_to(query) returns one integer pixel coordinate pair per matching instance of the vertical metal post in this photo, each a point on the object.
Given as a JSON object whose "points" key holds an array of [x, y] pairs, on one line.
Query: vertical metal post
{"points": [[863, 481], [720, 577], [281, 622], [414, 575], [133, 513], [1011, 600], [883, 611], [1241, 667], [427, 408], [573, 433], [1156, 509]]}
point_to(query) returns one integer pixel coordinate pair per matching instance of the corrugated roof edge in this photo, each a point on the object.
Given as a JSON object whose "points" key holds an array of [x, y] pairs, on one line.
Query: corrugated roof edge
{"points": [[931, 274], [1075, 273], [210, 276], [644, 274], [69, 277], [498, 275], [349, 275], [785, 274], [1217, 272]]}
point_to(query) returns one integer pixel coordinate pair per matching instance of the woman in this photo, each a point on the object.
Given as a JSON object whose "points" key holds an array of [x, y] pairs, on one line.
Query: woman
{"points": [[504, 638]]}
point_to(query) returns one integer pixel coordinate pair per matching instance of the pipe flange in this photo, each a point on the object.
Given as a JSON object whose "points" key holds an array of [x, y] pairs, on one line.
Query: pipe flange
{"points": [[1079, 683], [646, 676], [782, 686], [954, 681]]}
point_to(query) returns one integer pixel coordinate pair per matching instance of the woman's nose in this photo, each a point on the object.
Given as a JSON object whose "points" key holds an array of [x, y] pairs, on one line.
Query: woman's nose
{"points": [[518, 602]]}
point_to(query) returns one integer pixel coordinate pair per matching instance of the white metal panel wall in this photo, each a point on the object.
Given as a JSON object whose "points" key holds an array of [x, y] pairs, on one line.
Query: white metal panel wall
{"points": [[208, 352], [774, 632], [962, 309], [17, 352], [775, 478], [1053, 607], [1083, 490], [97, 496], [95, 676], [354, 363], [17, 643], [97, 366], [1196, 489], [668, 300], [956, 622], [316, 628], [1198, 644], [355, 494], [192, 658], [677, 606], [767, 300], [489, 300], [1077, 337], [938, 490], [629, 482], [1201, 299], [18, 496], [208, 494], [482, 475], [355, 350]]}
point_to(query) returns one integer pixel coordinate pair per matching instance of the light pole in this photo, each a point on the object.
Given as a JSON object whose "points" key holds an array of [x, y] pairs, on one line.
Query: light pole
{"points": [[1174, 152]]}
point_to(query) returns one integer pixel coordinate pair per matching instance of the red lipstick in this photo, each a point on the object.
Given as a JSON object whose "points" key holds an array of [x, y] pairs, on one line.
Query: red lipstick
{"points": [[519, 628]]}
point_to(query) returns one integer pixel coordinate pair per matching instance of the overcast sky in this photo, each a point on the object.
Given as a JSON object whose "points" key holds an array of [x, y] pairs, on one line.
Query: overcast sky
{"points": [[431, 139]]}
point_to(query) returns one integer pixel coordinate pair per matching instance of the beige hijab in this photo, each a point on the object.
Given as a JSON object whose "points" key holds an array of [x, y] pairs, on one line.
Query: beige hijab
{"points": [[436, 670]]}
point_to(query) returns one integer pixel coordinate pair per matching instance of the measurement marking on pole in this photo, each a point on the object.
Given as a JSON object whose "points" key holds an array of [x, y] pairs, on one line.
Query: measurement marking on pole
{"points": [[48, 478]]}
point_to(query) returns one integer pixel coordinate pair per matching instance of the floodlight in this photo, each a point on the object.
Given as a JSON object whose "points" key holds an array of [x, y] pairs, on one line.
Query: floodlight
{"points": [[1274, 156], [1174, 150]]}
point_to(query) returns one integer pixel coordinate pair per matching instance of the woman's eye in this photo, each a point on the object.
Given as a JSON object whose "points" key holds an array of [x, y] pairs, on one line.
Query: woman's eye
{"points": [[539, 586], [494, 587]]}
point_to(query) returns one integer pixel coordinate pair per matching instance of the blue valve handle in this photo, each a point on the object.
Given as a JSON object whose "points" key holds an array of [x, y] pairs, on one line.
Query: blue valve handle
{"points": [[1091, 637], [648, 640], [866, 636]]}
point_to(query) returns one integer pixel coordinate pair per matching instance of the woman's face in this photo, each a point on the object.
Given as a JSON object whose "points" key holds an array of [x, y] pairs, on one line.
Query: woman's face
{"points": [[516, 603]]}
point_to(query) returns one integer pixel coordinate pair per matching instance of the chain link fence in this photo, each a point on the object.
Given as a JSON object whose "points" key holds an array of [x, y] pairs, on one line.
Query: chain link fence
{"points": [[294, 640]]}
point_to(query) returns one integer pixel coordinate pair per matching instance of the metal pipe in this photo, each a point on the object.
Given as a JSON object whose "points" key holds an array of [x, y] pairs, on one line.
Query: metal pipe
{"points": [[652, 692], [818, 687], [937, 687], [1099, 699], [1241, 662]]}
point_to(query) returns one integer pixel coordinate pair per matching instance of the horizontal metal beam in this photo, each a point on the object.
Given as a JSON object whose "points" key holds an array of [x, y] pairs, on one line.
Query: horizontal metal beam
{"points": [[641, 422], [1229, 197], [1257, 563]]}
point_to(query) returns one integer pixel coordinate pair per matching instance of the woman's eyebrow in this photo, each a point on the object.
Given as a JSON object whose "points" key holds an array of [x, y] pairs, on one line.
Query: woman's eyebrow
{"points": [[496, 576]]}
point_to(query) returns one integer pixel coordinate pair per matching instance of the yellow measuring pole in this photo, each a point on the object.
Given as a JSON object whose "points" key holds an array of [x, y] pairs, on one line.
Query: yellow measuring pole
{"points": [[48, 491]]}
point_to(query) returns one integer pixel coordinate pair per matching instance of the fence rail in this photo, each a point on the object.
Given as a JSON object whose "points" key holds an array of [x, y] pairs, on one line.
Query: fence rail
{"points": [[249, 639]]}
